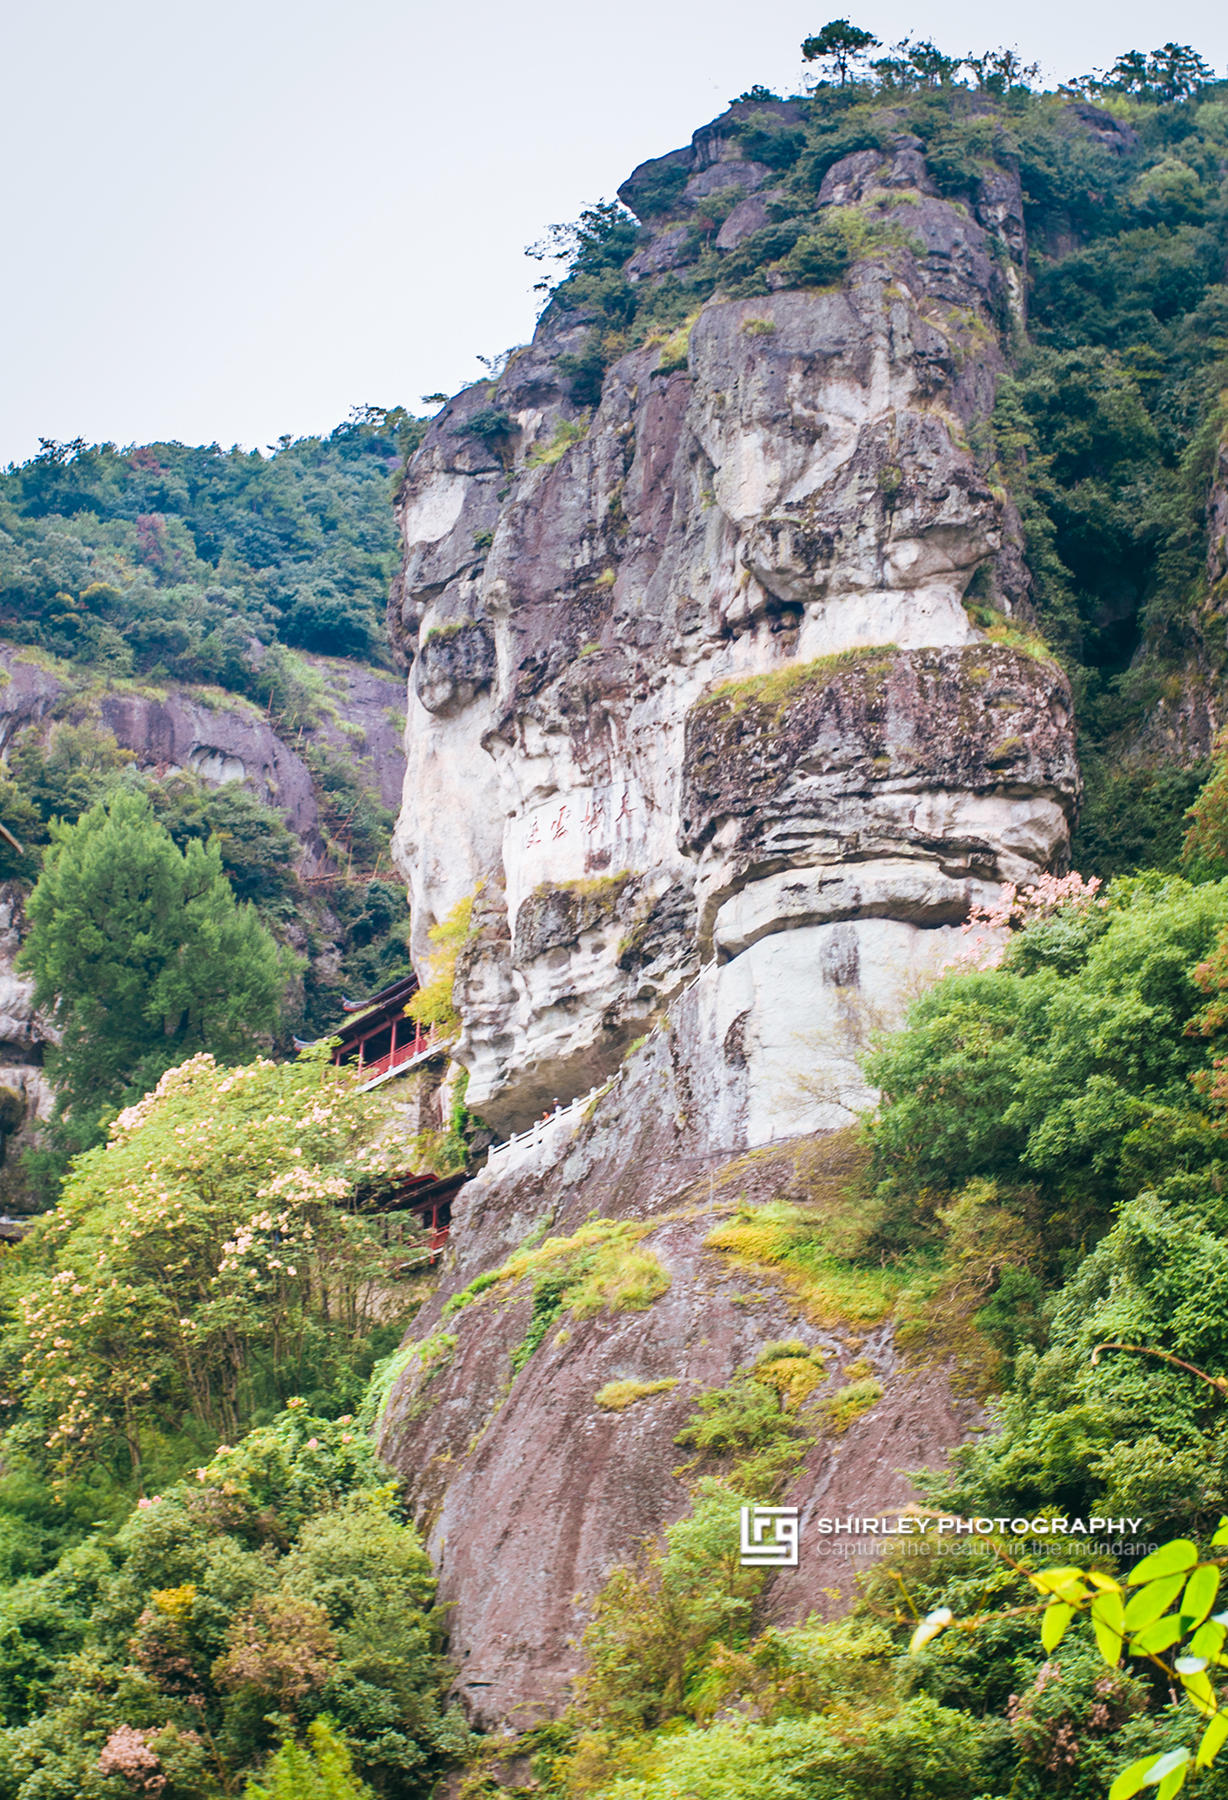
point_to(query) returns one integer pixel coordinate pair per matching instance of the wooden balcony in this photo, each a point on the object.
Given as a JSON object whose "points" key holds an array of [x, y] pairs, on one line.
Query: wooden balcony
{"points": [[415, 1048]]}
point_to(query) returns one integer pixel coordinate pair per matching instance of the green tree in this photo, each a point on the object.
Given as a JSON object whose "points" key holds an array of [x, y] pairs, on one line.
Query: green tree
{"points": [[281, 1571], [203, 1262], [840, 46], [1069, 1067], [916, 63], [1173, 72], [144, 954], [1205, 852], [321, 1770], [1002, 72]]}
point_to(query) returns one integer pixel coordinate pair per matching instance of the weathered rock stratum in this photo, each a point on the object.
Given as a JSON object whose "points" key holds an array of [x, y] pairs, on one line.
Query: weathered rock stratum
{"points": [[693, 676]]}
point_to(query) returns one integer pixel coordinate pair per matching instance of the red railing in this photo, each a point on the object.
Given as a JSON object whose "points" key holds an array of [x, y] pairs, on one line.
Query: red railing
{"points": [[419, 1045]]}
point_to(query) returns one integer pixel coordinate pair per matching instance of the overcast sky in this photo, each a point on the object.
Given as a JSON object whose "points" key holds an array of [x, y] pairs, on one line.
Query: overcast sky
{"points": [[237, 219]]}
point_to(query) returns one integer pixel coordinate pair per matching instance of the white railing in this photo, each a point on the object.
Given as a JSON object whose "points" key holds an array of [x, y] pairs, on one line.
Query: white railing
{"points": [[542, 1129], [538, 1132]]}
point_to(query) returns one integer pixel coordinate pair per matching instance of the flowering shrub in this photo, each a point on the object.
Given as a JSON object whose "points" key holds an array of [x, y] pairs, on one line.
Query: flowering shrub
{"points": [[127, 1753], [200, 1261], [1016, 908]]}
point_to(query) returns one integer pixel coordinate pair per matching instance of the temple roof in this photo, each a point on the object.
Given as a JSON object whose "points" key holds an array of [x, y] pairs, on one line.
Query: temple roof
{"points": [[380, 1009]]}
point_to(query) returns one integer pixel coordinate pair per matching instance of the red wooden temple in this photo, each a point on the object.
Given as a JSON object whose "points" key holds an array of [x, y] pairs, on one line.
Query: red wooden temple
{"points": [[380, 1036], [429, 1197]]}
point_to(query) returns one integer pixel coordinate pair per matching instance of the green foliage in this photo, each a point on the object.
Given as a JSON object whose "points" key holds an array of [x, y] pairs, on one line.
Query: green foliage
{"points": [[490, 424], [1134, 816], [1205, 850], [835, 1275], [916, 65], [657, 1623], [355, 825], [433, 1003], [1157, 1616], [144, 953], [849, 1402], [431, 1354], [918, 1749], [745, 1425], [840, 46], [321, 1770], [780, 687], [175, 561], [201, 1265], [617, 1396], [566, 433], [277, 1590], [1174, 72], [602, 1267], [1069, 1067], [68, 773], [820, 257]]}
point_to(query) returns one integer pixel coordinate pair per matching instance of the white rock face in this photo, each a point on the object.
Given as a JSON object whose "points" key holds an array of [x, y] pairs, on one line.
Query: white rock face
{"points": [[701, 685]]}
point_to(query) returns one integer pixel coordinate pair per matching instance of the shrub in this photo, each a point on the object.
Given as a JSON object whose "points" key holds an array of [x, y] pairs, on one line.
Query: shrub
{"points": [[617, 1396], [321, 1770]]}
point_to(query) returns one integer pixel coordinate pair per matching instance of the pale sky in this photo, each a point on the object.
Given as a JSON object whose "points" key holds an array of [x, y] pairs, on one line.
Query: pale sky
{"points": [[237, 219]]}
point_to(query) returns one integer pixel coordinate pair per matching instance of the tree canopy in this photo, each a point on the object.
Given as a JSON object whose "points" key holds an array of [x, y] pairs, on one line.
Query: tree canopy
{"points": [[143, 953], [841, 46]]}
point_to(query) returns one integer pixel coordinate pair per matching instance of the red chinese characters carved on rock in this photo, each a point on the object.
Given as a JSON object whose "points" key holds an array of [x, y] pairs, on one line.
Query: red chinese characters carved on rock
{"points": [[594, 817]]}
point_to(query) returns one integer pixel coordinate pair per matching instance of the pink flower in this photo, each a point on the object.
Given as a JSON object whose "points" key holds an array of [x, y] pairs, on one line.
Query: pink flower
{"points": [[313, 1443]]}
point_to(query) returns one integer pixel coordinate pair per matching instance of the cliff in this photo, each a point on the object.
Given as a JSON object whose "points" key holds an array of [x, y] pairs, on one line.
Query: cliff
{"points": [[725, 706], [169, 729], [763, 535]]}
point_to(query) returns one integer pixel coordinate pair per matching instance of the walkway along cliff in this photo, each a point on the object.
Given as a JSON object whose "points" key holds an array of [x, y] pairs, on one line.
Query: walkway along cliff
{"points": [[725, 706]]}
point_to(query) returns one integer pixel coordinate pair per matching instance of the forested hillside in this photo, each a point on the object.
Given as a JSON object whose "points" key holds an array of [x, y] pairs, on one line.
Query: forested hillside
{"points": [[179, 562], [201, 631]]}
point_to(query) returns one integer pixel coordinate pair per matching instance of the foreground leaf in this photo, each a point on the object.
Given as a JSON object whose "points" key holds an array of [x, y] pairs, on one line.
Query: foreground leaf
{"points": [[1145, 1607], [1054, 1624], [1199, 1596], [1107, 1619], [1212, 1740], [1167, 1560]]}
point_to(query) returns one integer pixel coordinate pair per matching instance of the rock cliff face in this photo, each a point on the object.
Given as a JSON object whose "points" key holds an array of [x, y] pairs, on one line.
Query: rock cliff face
{"points": [[528, 1489], [693, 677], [220, 738], [698, 712]]}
